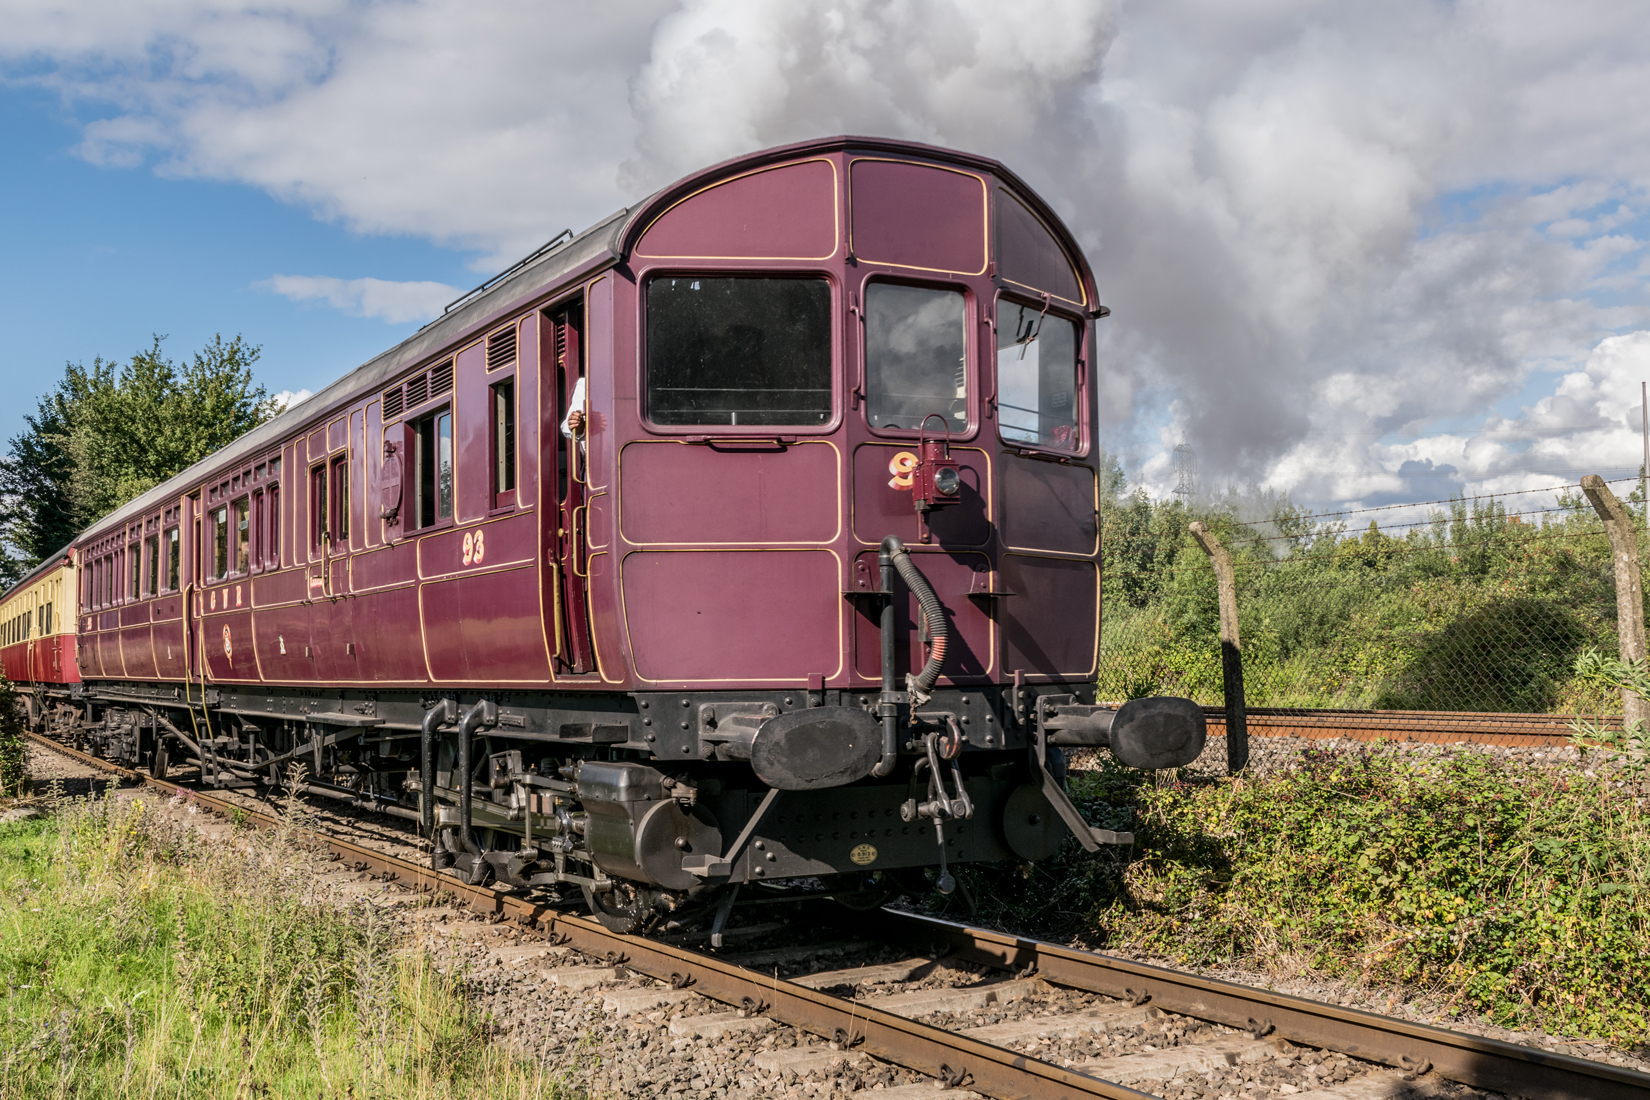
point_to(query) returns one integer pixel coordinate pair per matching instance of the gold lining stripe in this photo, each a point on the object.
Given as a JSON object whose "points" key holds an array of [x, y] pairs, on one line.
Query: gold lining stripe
{"points": [[624, 611], [836, 489], [985, 219], [836, 215]]}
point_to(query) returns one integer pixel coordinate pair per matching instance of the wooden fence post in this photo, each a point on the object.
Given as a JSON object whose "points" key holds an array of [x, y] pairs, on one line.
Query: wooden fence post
{"points": [[1231, 649], [1624, 553]]}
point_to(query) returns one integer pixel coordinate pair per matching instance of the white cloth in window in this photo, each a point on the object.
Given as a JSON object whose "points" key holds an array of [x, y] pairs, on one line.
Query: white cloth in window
{"points": [[576, 403]]}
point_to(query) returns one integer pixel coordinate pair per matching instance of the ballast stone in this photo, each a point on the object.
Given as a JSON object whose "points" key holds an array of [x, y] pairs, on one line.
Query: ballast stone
{"points": [[1160, 1065], [1062, 1027]]}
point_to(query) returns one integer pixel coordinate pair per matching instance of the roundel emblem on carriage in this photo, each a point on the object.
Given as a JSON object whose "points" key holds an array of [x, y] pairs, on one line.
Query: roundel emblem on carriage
{"points": [[228, 647], [902, 466], [863, 854]]}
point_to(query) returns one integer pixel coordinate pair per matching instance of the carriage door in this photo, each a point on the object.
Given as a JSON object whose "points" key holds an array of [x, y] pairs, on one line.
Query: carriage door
{"points": [[193, 570], [568, 519]]}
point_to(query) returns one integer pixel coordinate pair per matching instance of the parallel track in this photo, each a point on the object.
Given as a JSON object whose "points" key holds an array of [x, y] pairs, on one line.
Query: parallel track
{"points": [[1469, 1059]]}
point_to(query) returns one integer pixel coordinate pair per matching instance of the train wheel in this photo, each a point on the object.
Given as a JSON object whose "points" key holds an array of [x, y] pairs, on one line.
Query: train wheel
{"points": [[621, 909]]}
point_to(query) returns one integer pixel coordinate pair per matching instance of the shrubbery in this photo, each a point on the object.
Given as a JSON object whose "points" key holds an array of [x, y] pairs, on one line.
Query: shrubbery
{"points": [[1477, 611], [1520, 893], [11, 741]]}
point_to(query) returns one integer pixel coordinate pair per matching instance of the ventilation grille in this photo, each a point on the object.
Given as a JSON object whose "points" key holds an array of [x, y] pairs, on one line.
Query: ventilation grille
{"points": [[392, 404], [501, 348], [441, 378], [418, 391]]}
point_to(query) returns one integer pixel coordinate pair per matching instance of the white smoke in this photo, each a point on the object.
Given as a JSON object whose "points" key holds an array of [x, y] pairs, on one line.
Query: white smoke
{"points": [[1338, 239]]}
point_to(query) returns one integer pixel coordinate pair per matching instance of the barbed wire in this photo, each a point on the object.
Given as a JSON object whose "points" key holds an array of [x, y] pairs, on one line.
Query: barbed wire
{"points": [[1430, 521], [1108, 571]]}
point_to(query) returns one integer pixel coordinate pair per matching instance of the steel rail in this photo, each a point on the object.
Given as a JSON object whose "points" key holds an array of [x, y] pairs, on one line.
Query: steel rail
{"points": [[1470, 1059], [930, 1050]]}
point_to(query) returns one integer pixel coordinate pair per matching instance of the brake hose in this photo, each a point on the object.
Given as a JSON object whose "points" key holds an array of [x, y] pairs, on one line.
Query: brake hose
{"points": [[933, 611]]}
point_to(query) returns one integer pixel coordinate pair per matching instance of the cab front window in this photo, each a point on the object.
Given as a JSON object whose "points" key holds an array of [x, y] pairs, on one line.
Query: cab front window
{"points": [[916, 360], [1036, 377], [738, 351]]}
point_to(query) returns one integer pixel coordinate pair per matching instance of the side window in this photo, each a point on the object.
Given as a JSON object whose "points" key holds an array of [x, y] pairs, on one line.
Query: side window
{"points": [[220, 544], [317, 507], [738, 351], [432, 451], [916, 357], [151, 555], [339, 518], [258, 530], [134, 569], [243, 536], [504, 443], [1036, 377], [174, 559], [273, 545]]}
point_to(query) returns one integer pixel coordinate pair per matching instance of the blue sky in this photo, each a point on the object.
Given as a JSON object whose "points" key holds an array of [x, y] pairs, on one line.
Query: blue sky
{"points": [[98, 258]]}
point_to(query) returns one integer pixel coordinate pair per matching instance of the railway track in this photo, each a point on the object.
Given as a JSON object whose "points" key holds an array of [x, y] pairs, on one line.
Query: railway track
{"points": [[1438, 727], [1107, 1027]]}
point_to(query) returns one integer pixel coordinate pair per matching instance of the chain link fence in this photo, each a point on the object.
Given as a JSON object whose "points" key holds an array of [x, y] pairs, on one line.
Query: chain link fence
{"points": [[1465, 627]]}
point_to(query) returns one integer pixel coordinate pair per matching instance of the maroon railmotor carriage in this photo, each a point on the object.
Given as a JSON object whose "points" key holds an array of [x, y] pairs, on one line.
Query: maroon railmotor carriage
{"points": [[805, 589]]}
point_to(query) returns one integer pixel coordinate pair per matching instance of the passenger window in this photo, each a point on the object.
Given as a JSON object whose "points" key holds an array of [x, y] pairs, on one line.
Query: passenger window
{"points": [[174, 558], [243, 537], [915, 356], [272, 549], [433, 467], [134, 566], [258, 529], [317, 507], [220, 544], [151, 551], [504, 443], [1036, 377], [738, 351], [340, 502]]}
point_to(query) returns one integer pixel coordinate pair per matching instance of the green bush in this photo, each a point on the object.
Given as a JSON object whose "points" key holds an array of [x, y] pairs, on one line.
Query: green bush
{"points": [[1520, 893], [1477, 611], [11, 741]]}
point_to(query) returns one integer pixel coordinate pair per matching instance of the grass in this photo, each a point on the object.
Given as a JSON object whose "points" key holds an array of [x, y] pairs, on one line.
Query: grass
{"points": [[139, 962], [1520, 894]]}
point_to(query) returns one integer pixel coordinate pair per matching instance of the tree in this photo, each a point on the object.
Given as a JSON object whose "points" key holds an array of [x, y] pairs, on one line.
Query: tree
{"points": [[36, 513], [108, 433]]}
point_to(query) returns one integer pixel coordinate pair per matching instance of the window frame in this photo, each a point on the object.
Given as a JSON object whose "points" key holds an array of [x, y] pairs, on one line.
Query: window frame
{"points": [[338, 469], [255, 563], [837, 354], [172, 539], [972, 400], [319, 503], [217, 519], [508, 458], [272, 547], [151, 562], [413, 510], [1080, 392], [240, 536]]}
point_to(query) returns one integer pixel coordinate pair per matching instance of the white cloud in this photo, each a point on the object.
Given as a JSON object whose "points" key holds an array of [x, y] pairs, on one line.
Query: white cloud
{"points": [[1323, 227], [394, 302], [289, 398]]}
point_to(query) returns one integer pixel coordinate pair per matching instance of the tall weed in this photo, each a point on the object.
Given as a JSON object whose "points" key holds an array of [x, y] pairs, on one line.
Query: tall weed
{"points": [[139, 961]]}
